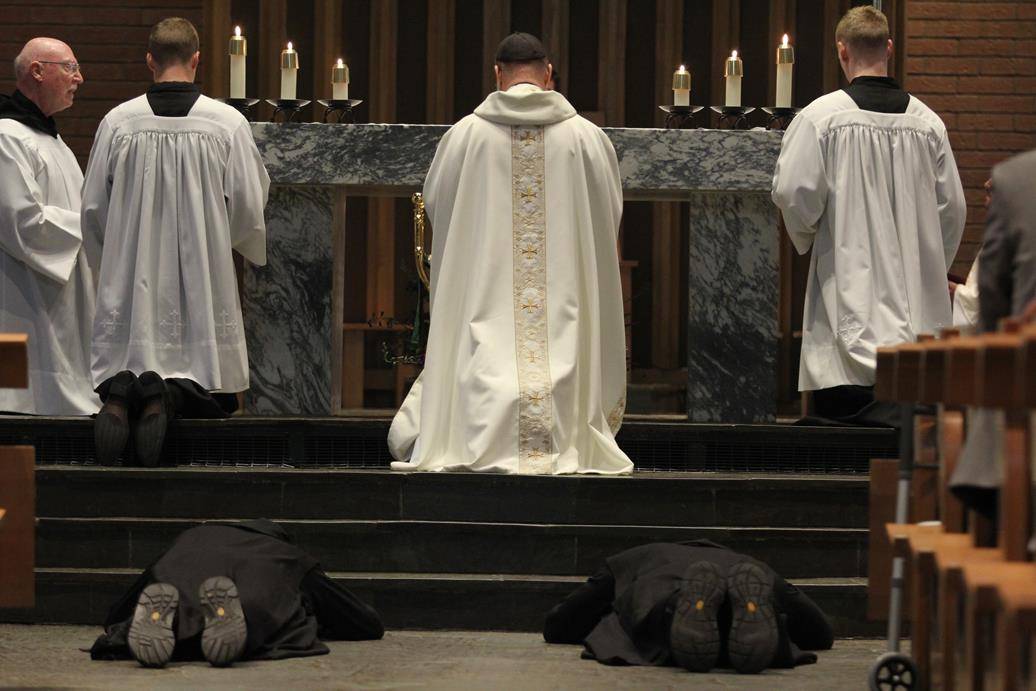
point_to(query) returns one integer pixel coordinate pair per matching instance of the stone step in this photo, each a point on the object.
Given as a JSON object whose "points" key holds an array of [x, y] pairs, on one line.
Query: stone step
{"points": [[641, 499], [455, 547], [360, 443], [416, 601]]}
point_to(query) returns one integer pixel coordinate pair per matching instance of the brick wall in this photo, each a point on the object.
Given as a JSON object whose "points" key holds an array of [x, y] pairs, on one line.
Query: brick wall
{"points": [[975, 64], [109, 38]]}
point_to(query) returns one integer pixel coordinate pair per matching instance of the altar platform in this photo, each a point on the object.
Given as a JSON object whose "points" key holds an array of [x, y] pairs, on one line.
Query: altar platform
{"points": [[450, 550]]}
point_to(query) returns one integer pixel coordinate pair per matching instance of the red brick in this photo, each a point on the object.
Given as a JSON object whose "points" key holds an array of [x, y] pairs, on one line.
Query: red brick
{"points": [[1007, 141], [942, 65], [1025, 123], [995, 47], [979, 159], [963, 140], [934, 46], [986, 122], [934, 85], [986, 85], [1007, 66], [927, 28], [984, 10], [1027, 10]]}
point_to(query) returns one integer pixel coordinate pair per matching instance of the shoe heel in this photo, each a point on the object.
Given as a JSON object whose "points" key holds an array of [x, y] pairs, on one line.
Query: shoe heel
{"points": [[151, 638], [225, 634], [752, 641]]}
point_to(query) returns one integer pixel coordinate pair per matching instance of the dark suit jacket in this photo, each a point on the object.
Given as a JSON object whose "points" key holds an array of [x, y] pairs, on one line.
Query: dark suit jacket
{"points": [[1007, 279]]}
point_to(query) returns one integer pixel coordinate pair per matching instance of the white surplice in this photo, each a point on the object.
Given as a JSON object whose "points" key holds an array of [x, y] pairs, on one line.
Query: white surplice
{"points": [[46, 271], [171, 196], [525, 367], [965, 300], [878, 197]]}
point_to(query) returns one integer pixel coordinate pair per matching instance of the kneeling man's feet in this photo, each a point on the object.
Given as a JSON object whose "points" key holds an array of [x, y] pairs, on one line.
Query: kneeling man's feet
{"points": [[111, 427], [151, 638], [156, 411], [223, 639], [694, 633], [752, 642]]}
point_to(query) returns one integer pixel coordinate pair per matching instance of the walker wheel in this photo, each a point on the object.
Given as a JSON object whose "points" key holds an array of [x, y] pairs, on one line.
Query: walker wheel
{"points": [[893, 671]]}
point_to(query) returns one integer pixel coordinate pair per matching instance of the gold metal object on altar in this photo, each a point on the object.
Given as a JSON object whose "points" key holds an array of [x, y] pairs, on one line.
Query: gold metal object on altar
{"points": [[238, 45], [421, 258], [340, 73], [289, 59], [785, 55]]}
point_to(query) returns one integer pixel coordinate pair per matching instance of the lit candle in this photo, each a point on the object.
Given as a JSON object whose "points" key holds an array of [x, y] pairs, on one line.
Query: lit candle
{"points": [[340, 81], [785, 59], [681, 87], [289, 72], [238, 51], [733, 70]]}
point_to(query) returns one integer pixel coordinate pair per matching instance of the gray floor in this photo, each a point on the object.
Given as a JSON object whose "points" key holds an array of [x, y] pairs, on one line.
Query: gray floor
{"points": [[48, 656]]}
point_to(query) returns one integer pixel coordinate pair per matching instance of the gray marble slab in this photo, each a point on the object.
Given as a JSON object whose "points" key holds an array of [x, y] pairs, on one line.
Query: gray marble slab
{"points": [[287, 307], [733, 252], [733, 274], [653, 163]]}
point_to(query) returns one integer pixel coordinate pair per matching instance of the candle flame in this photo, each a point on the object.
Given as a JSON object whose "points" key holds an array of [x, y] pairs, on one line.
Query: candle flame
{"points": [[340, 64], [733, 55], [289, 45], [784, 42], [237, 31], [682, 68]]}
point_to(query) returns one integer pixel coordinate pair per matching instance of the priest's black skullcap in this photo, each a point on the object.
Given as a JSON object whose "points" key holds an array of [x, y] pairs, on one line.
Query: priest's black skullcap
{"points": [[520, 47]]}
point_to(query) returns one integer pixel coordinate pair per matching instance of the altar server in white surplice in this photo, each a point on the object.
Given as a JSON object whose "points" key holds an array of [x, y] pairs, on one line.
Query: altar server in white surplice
{"points": [[46, 265], [174, 184], [867, 179], [525, 368]]}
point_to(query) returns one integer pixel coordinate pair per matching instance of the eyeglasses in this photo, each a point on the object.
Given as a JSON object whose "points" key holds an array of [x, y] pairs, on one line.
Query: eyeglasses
{"points": [[69, 66]]}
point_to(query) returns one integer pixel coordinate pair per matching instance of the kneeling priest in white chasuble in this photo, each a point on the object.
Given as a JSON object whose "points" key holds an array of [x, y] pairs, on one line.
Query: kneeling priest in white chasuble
{"points": [[525, 366]]}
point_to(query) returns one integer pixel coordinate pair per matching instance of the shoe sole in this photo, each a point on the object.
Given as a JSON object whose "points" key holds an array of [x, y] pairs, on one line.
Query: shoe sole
{"points": [[223, 639], [752, 642], [149, 438], [110, 436], [151, 638], [694, 633]]}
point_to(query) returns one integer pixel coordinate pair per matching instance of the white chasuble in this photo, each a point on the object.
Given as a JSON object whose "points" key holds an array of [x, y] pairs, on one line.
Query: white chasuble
{"points": [[525, 366], [172, 196], [878, 198], [46, 272], [965, 300]]}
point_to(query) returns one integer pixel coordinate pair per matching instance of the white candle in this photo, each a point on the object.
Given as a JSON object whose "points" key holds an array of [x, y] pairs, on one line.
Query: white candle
{"points": [[681, 87], [340, 81], [238, 51], [733, 70], [785, 60], [289, 72]]}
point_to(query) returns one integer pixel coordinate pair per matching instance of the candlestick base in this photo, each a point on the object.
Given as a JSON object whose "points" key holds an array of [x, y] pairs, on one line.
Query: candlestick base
{"points": [[341, 108], [242, 105], [678, 116], [780, 117], [732, 117], [290, 107]]}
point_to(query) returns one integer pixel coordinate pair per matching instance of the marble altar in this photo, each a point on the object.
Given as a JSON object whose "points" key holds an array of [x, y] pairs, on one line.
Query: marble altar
{"points": [[733, 263]]}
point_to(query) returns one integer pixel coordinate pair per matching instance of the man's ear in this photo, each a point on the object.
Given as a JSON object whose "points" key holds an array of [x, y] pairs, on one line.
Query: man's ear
{"points": [[843, 51], [150, 61], [195, 59], [889, 51]]}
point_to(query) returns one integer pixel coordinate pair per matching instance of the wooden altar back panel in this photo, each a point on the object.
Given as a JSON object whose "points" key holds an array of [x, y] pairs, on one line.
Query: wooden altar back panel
{"points": [[431, 61]]}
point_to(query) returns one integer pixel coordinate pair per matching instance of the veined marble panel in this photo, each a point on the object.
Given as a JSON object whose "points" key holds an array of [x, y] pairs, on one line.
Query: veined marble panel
{"points": [[287, 307], [732, 325], [654, 163]]}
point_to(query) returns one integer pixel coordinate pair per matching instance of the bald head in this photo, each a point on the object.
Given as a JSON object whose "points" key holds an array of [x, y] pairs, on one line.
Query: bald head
{"points": [[47, 72]]}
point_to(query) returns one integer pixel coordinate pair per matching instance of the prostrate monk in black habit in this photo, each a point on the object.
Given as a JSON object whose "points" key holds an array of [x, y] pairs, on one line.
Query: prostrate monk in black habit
{"points": [[226, 592], [695, 605], [867, 179], [174, 186]]}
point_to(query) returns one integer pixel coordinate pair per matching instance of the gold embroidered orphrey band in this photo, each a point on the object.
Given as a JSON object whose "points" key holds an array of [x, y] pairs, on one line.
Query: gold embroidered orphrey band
{"points": [[529, 227]]}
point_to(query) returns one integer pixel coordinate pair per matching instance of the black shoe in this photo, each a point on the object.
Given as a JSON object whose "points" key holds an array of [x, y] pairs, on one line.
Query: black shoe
{"points": [[752, 642], [111, 426], [694, 633], [151, 637], [223, 639], [155, 413]]}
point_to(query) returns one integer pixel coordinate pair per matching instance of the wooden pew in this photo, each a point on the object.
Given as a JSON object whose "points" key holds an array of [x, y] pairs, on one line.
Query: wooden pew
{"points": [[17, 491]]}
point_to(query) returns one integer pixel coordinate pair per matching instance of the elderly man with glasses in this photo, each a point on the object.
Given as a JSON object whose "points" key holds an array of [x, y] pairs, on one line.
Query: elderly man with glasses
{"points": [[46, 265]]}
